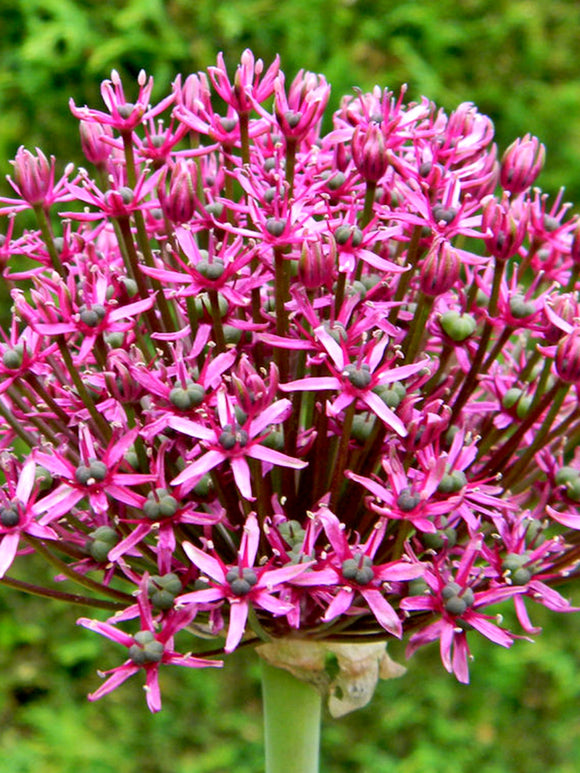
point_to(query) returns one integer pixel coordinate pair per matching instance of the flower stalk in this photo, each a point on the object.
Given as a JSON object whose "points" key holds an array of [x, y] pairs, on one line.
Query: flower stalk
{"points": [[292, 714]]}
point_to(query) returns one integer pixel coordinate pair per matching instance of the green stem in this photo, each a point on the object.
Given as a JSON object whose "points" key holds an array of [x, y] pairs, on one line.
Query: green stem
{"points": [[292, 712], [69, 572], [69, 598], [417, 327], [413, 254], [99, 420], [45, 230], [342, 456]]}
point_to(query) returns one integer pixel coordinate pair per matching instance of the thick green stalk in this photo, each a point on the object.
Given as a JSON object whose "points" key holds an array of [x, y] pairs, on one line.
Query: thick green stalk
{"points": [[292, 712]]}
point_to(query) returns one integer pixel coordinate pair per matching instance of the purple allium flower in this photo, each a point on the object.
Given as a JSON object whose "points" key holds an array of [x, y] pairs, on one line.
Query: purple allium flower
{"points": [[279, 382], [148, 649]]}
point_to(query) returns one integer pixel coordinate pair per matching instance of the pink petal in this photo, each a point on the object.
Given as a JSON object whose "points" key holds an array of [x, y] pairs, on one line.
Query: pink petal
{"points": [[340, 603], [107, 630], [141, 531], [275, 457], [205, 563], [26, 481], [119, 675], [311, 384], [8, 548], [384, 413], [383, 611], [242, 476], [199, 468], [152, 691], [238, 616]]}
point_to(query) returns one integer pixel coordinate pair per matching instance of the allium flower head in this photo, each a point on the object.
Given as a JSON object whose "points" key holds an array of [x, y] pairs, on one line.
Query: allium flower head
{"points": [[265, 381]]}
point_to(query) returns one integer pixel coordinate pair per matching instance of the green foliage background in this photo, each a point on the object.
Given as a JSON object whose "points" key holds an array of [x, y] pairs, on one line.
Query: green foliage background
{"points": [[517, 60]]}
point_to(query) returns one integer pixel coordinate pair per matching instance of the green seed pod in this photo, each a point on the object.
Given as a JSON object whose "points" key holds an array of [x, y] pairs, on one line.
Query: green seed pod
{"points": [[573, 490], [100, 542], [520, 308], [360, 378], [99, 550], [162, 599], [130, 286], [9, 517], [336, 181], [389, 395], [12, 358], [342, 234], [452, 482], [211, 271], [567, 475], [215, 209], [364, 575], [361, 428], [418, 587], [196, 393], [455, 605], [513, 561], [115, 340], [292, 532], [98, 470], [144, 637], [450, 590], [232, 335], [89, 318], [511, 397], [440, 539], [168, 506], [521, 576], [126, 194], [105, 534], [337, 332], [240, 587], [180, 398], [146, 649], [523, 406], [83, 474], [433, 541], [276, 226], [204, 488], [43, 478], [171, 583], [274, 440], [349, 568], [406, 501], [152, 510], [468, 596], [457, 326]]}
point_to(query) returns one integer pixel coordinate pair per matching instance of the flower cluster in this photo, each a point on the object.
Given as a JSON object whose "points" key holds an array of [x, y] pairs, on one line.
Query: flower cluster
{"points": [[263, 382]]}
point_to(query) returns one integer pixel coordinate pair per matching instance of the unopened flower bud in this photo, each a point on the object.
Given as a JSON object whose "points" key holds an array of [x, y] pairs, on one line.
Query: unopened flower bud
{"points": [[316, 267], [505, 233], [565, 307], [521, 164], [178, 203], [575, 246], [568, 358], [440, 271], [92, 135], [368, 152], [33, 175]]}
